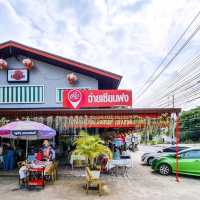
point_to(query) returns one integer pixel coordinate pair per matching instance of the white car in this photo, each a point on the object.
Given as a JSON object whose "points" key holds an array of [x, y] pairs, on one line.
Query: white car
{"points": [[148, 158]]}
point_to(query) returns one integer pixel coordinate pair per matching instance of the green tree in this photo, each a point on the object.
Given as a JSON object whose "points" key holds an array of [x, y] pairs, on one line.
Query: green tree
{"points": [[91, 147], [190, 125]]}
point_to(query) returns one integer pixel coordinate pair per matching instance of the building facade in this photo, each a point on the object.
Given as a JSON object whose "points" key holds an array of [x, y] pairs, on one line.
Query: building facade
{"points": [[47, 79], [31, 88], [32, 84]]}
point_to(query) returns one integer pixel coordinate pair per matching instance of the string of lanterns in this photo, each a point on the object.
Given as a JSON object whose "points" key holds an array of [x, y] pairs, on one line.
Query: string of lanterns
{"points": [[72, 78], [3, 64], [28, 64]]}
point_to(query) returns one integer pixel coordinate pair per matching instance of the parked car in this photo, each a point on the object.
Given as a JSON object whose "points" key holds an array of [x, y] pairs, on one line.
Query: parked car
{"points": [[149, 157], [188, 163]]}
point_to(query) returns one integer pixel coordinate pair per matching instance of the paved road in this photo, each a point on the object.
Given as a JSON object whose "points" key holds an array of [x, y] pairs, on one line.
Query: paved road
{"points": [[142, 184]]}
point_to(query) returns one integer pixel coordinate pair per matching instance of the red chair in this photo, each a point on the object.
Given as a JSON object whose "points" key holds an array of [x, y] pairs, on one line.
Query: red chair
{"points": [[103, 162], [36, 177]]}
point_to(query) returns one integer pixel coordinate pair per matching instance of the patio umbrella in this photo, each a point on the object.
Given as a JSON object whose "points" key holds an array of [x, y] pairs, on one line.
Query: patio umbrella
{"points": [[26, 130]]}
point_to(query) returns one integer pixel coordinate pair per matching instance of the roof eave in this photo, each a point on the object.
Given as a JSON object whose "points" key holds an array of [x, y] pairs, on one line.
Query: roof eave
{"points": [[99, 72]]}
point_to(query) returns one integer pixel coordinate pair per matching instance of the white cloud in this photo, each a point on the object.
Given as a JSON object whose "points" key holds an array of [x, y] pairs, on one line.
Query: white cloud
{"points": [[129, 37]]}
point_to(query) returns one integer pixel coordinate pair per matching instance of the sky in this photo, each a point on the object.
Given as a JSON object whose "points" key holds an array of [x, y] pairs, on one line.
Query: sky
{"points": [[127, 37]]}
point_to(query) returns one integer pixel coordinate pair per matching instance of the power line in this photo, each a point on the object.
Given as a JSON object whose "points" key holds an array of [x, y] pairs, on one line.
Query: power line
{"points": [[185, 88], [188, 89], [179, 83], [184, 99], [165, 67], [171, 60], [182, 83], [195, 65], [191, 68]]}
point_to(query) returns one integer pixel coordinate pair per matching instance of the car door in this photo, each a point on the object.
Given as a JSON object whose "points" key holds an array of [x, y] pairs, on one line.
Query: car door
{"points": [[189, 162]]}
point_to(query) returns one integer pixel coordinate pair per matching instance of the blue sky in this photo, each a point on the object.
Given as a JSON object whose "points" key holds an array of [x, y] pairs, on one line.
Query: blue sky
{"points": [[128, 37]]}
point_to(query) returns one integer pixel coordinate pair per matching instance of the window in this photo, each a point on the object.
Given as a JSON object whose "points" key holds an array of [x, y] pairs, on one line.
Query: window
{"points": [[192, 154], [171, 149], [22, 94], [59, 93], [182, 148]]}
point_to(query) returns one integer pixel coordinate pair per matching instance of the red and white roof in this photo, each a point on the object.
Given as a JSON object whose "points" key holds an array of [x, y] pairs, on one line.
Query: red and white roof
{"points": [[107, 80]]}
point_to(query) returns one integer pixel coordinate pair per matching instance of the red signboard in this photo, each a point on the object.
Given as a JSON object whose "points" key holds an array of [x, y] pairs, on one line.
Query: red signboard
{"points": [[76, 98]]}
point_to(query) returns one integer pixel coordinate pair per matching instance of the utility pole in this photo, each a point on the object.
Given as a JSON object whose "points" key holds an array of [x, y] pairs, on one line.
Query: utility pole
{"points": [[173, 130], [168, 101]]}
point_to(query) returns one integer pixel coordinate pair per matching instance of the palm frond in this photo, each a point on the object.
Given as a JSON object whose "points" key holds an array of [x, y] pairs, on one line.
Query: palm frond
{"points": [[91, 146]]}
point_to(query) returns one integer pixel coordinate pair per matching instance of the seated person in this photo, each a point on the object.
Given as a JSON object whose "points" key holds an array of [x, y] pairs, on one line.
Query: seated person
{"points": [[1, 155], [125, 153], [52, 153], [23, 174], [46, 150], [116, 153], [103, 163]]}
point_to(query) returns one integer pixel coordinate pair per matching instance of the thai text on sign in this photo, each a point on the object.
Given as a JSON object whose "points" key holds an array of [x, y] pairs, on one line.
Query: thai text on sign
{"points": [[96, 98], [117, 121]]}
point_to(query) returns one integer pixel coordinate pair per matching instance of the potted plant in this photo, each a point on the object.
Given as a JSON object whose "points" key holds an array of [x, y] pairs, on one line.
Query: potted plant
{"points": [[91, 147]]}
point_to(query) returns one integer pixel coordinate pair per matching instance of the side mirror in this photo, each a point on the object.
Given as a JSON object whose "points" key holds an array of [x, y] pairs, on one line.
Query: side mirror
{"points": [[179, 156]]}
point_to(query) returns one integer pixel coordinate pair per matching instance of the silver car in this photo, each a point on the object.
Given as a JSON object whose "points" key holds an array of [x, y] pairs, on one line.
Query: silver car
{"points": [[148, 158]]}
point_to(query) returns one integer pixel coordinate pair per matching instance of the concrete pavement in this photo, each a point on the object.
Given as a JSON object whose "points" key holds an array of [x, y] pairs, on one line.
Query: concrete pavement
{"points": [[141, 184]]}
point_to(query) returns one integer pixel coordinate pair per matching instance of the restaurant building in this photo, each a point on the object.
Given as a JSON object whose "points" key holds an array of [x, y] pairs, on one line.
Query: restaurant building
{"points": [[32, 85]]}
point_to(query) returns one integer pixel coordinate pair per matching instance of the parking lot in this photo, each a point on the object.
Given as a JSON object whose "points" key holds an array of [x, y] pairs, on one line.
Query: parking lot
{"points": [[141, 184]]}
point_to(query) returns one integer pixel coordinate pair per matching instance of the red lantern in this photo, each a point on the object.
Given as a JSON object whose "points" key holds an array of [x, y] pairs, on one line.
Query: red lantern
{"points": [[28, 63], [72, 79], [3, 64]]}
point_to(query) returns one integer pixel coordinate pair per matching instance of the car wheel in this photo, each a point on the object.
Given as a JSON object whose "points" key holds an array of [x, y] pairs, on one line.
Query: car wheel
{"points": [[149, 161], [164, 169]]}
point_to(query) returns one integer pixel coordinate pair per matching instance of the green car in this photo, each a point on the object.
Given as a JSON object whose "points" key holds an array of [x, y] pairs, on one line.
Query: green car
{"points": [[188, 163]]}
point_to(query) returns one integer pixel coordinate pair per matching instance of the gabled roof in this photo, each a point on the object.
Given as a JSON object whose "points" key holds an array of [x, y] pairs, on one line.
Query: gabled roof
{"points": [[107, 80]]}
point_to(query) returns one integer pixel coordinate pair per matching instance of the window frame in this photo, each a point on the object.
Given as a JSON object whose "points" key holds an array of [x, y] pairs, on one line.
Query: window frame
{"points": [[183, 154], [24, 102]]}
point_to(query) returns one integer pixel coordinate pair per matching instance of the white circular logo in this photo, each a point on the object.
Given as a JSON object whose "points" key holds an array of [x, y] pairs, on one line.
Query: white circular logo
{"points": [[75, 97]]}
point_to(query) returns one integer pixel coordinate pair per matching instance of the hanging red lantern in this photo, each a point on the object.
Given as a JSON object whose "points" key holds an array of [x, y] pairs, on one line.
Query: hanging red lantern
{"points": [[28, 63], [72, 79], [3, 64]]}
